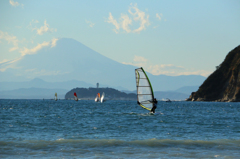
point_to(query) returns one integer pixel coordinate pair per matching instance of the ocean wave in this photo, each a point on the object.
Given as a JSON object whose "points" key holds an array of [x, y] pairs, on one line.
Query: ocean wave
{"points": [[221, 143], [112, 148]]}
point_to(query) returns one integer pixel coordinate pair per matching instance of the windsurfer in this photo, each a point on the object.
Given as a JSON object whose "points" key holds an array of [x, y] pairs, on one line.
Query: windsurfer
{"points": [[154, 105]]}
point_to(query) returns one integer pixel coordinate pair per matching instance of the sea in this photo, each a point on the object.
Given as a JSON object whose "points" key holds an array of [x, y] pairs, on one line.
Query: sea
{"points": [[118, 129]]}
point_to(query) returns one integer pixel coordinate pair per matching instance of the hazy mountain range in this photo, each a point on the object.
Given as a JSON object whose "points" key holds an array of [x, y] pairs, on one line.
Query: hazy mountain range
{"points": [[33, 93], [39, 89], [39, 83], [71, 64]]}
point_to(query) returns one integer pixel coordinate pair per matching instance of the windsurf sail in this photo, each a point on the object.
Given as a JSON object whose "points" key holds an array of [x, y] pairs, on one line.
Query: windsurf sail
{"points": [[75, 96], [102, 98], [55, 96], [145, 94], [97, 97]]}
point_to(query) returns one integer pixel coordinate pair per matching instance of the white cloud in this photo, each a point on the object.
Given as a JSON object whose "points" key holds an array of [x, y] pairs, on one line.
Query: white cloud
{"points": [[198, 72], [90, 23], [139, 59], [10, 39], [26, 51], [44, 29], [135, 15], [125, 22], [5, 64], [158, 16], [165, 69], [173, 70], [114, 22], [139, 16], [54, 42], [15, 4], [3, 61]]}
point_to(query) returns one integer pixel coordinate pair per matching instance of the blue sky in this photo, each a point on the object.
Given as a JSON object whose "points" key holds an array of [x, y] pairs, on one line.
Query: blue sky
{"points": [[164, 36]]}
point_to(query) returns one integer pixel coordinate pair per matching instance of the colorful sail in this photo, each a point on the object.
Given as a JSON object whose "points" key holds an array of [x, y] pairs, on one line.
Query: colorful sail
{"points": [[75, 96], [97, 97], [145, 94]]}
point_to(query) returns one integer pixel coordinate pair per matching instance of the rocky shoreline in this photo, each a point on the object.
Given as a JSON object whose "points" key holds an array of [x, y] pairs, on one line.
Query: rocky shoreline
{"points": [[223, 85]]}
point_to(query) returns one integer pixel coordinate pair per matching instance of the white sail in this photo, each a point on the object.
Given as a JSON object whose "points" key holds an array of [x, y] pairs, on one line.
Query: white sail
{"points": [[145, 94], [102, 98]]}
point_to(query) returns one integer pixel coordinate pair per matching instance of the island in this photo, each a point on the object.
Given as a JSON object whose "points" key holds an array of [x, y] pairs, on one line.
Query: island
{"points": [[90, 94]]}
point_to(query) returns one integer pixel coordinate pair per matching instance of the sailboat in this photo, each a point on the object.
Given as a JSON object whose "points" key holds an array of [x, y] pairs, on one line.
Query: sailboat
{"points": [[75, 96], [97, 97], [102, 98], [55, 98], [145, 96]]}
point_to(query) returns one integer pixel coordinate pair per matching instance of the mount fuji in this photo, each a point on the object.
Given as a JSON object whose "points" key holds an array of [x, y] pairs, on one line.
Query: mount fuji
{"points": [[71, 60]]}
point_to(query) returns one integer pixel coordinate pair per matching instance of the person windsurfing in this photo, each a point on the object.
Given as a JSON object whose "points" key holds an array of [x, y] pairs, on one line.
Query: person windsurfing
{"points": [[154, 105], [145, 94]]}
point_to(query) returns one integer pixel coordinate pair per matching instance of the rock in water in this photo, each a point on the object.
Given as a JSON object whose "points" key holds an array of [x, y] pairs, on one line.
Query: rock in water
{"points": [[223, 85]]}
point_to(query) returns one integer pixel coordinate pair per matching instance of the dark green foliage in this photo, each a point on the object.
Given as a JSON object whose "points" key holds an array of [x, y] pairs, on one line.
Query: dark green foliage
{"points": [[110, 93], [224, 81]]}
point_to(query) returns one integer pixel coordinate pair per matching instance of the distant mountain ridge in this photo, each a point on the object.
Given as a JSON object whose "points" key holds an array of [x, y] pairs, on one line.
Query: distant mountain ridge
{"points": [[179, 94], [39, 83], [187, 89], [70, 60], [32, 93]]}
